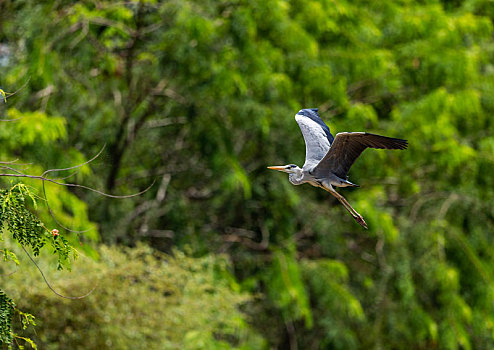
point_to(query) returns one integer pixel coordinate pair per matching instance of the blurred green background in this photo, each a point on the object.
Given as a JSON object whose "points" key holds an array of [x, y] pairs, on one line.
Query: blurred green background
{"points": [[200, 96]]}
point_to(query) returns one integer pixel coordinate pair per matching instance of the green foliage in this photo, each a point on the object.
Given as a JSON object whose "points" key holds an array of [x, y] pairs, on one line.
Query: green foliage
{"points": [[287, 290], [27, 229], [6, 313], [142, 299], [17, 219], [335, 306], [38, 135], [201, 95]]}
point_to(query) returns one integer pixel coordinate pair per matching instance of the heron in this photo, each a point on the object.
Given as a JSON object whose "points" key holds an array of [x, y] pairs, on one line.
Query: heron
{"points": [[328, 159]]}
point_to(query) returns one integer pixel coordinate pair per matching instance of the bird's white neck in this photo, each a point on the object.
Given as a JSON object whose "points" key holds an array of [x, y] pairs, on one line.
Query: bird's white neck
{"points": [[296, 177]]}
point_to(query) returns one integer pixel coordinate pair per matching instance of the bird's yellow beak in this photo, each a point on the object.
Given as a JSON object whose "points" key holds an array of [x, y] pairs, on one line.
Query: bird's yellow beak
{"points": [[277, 167]]}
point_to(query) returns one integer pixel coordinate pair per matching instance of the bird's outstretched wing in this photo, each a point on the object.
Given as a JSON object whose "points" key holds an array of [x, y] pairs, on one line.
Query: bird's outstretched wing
{"points": [[316, 134], [348, 146]]}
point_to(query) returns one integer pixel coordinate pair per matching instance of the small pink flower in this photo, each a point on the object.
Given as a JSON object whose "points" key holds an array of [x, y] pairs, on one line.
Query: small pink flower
{"points": [[55, 232]]}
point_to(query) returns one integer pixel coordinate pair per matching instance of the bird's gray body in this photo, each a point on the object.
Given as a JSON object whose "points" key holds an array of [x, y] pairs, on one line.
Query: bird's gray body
{"points": [[328, 159]]}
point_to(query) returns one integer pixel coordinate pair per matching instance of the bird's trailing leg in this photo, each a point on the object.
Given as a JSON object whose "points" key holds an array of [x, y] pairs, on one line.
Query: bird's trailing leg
{"points": [[347, 206]]}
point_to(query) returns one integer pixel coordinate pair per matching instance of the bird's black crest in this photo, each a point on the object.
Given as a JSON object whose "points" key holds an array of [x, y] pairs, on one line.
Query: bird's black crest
{"points": [[309, 112]]}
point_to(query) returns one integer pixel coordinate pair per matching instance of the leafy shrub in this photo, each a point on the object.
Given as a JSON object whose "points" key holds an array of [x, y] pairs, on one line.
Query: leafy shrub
{"points": [[141, 300]]}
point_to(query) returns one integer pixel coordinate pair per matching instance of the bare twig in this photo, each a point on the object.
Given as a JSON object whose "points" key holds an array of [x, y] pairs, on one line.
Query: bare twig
{"points": [[447, 204], [151, 204], [10, 273], [245, 237], [43, 177], [10, 94], [75, 166], [36, 177], [52, 214], [10, 120], [15, 161], [48, 283], [158, 123], [11, 169]]}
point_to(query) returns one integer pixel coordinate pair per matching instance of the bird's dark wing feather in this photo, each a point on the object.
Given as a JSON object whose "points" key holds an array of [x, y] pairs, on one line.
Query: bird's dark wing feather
{"points": [[348, 146], [316, 134]]}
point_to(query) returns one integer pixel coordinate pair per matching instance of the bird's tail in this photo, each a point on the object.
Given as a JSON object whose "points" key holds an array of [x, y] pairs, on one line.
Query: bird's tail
{"points": [[346, 183]]}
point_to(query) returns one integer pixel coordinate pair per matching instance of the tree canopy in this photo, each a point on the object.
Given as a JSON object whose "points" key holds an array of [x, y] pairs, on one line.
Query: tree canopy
{"points": [[199, 96]]}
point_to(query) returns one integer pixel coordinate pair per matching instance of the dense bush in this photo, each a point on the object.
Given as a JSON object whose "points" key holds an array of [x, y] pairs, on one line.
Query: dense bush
{"points": [[141, 300]]}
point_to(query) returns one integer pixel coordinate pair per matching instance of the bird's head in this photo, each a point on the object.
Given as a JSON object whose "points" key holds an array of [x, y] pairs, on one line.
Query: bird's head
{"points": [[289, 169]]}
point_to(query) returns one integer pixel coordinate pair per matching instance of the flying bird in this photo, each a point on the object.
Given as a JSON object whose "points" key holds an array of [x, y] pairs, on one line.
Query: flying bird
{"points": [[328, 159]]}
